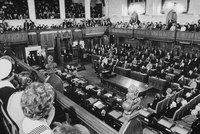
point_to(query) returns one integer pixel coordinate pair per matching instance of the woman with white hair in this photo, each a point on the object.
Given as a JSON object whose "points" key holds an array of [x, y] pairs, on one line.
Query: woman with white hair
{"points": [[37, 106]]}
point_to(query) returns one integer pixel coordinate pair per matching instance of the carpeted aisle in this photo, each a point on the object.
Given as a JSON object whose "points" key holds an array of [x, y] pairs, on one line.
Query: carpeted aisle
{"points": [[90, 74]]}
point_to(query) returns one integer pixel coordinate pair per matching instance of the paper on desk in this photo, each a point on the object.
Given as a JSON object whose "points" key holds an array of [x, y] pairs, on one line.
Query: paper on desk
{"points": [[89, 87], [99, 104], [108, 95]]}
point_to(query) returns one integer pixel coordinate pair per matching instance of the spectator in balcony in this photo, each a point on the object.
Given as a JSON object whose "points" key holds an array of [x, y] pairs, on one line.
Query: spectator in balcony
{"points": [[4, 24], [173, 27], [47, 9], [159, 26], [191, 27], [183, 28], [14, 9], [37, 105], [74, 10], [26, 25]]}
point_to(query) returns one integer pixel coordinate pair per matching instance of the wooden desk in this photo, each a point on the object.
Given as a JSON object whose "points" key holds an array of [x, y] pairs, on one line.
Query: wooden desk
{"points": [[120, 84], [158, 83], [93, 122]]}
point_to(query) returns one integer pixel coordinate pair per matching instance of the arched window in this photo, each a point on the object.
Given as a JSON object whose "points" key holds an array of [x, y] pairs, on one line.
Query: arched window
{"points": [[138, 6], [180, 6]]}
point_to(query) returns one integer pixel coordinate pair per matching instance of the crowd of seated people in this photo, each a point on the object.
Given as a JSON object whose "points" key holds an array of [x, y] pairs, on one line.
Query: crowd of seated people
{"points": [[172, 26], [153, 61], [157, 63], [67, 23], [47, 9], [14, 9], [30, 103], [96, 11], [74, 10], [96, 22]]}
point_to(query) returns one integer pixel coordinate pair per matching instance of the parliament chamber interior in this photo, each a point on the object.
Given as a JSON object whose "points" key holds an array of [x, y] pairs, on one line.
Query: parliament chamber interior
{"points": [[99, 67]]}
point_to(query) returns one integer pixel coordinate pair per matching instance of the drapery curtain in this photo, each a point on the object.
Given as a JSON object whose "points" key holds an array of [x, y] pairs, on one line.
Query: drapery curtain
{"points": [[19, 51], [47, 38], [33, 40], [78, 35]]}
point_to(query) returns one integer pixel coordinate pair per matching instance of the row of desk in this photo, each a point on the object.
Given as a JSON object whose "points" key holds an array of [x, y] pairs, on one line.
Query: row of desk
{"points": [[94, 124], [154, 82], [97, 126], [120, 84]]}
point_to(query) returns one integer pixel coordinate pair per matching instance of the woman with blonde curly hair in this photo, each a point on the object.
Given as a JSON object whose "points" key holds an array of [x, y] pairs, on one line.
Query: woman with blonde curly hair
{"points": [[37, 106]]}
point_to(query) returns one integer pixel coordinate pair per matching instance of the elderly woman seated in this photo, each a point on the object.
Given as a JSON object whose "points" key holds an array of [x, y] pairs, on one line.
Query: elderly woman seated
{"points": [[37, 106], [65, 128]]}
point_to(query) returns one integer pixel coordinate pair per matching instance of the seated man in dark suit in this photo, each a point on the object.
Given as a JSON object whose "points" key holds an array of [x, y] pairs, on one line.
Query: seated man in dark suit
{"points": [[174, 106], [190, 74], [161, 74], [112, 100], [181, 81], [158, 97]]}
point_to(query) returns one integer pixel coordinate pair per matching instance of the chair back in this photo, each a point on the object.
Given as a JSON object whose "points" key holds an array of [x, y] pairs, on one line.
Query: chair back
{"points": [[9, 125], [56, 82]]}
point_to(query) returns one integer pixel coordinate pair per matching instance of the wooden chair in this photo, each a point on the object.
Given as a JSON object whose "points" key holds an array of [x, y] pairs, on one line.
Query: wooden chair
{"points": [[56, 82], [9, 125]]}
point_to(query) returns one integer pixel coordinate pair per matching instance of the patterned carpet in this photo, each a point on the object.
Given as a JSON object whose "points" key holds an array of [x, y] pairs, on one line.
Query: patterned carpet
{"points": [[90, 74]]}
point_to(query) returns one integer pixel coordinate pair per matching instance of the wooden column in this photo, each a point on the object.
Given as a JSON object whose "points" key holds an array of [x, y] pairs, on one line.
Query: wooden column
{"points": [[62, 9], [87, 9]]}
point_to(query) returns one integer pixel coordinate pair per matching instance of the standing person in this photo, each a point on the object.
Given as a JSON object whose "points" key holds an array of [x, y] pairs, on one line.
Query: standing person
{"points": [[26, 25]]}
